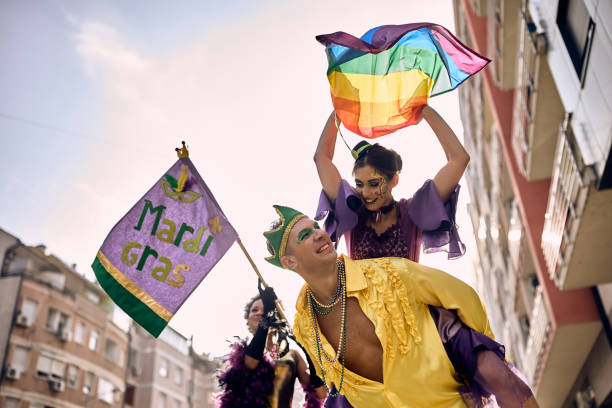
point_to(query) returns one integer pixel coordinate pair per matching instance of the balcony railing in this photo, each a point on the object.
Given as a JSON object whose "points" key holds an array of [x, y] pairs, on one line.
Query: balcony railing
{"points": [[531, 52], [568, 193], [538, 337]]}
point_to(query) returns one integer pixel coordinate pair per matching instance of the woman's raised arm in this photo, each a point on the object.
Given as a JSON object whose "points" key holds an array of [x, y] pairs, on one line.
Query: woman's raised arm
{"points": [[449, 175], [328, 173]]}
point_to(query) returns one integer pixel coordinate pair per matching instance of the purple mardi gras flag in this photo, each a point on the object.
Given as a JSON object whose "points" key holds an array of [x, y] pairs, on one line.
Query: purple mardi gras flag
{"points": [[160, 251]]}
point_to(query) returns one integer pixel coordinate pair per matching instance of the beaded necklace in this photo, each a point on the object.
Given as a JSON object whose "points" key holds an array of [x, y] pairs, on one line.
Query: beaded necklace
{"points": [[342, 342], [320, 307]]}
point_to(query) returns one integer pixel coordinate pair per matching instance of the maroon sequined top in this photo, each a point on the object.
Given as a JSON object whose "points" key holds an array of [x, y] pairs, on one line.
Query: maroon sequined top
{"points": [[402, 239]]}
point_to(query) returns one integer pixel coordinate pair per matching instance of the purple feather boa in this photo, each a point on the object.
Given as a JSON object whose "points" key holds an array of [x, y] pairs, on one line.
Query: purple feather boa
{"points": [[311, 400], [243, 387]]}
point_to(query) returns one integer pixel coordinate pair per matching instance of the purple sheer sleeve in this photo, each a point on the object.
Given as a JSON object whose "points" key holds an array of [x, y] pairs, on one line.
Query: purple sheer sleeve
{"points": [[437, 220], [341, 214]]}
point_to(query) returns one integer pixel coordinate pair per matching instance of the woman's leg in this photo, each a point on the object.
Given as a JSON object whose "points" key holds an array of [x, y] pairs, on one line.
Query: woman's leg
{"points": [[497, 378]]}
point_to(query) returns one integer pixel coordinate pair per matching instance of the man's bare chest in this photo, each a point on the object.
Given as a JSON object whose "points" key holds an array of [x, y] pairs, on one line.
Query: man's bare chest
{"points": [[363, 348]]}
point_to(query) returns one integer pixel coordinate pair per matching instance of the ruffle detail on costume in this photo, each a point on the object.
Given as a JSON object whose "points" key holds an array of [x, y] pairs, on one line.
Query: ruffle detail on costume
{"points": [[437, 220], [242, 387], [392, 303]]}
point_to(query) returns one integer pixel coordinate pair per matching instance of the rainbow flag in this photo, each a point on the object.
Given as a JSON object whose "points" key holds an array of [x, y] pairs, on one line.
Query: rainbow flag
{"points": [[380, 82]]}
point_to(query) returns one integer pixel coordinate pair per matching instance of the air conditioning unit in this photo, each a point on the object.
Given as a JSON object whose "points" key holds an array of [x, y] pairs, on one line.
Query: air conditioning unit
{"points": [[57, 385], [64, 335], [12, 373], [22, 320]]}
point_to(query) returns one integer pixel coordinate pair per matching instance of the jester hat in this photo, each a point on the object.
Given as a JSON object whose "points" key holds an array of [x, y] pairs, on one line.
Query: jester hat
{"points": [[278, 236]]}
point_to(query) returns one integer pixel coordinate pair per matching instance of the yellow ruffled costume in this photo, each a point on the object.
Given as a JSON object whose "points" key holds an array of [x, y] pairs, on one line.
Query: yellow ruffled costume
{"points": [[394, 294]]}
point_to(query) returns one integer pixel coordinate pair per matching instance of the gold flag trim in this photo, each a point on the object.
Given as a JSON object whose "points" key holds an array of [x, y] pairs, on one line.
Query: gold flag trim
{"points": [[133, 288]]}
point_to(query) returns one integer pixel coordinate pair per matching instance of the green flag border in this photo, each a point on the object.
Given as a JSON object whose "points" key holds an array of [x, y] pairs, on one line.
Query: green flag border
{"points": [[134, 307]]}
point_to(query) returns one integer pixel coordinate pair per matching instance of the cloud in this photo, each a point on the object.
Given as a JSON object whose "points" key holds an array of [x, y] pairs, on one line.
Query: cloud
{"points": [[100, 46]]}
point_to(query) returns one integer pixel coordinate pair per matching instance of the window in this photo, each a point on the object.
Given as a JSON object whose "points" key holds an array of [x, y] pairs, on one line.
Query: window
{"points": [[57, 321], [11, 402], [111, 350], [105, 390], [73, 373], [29, 309], [79, 332], [163, 368], [20, 358], [177, 403], [577, 29], [94, 297], [178, 376], [134, 361], [163, 400], [129, 394], [88, 383], [50, 367], [93, 340]]}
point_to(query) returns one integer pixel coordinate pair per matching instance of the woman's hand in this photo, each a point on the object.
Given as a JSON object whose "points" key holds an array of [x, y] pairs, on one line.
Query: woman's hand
{"points": [[420, 114]]}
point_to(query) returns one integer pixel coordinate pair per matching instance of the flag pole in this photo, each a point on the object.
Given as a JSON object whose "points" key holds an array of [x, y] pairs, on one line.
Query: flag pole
{"points": [[277, 302], [183, 152]]}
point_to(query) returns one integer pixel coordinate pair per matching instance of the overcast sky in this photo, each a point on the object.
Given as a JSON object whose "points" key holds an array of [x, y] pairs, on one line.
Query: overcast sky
{"points": [[95, 96]]}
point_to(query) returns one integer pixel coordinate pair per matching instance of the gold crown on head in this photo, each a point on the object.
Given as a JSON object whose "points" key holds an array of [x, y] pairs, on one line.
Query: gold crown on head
{"points": [[278, 236]]}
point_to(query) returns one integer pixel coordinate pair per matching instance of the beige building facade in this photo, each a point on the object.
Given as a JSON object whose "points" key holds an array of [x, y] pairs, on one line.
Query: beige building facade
{"points": [[61, 348], [167, 373], [538, 127]]}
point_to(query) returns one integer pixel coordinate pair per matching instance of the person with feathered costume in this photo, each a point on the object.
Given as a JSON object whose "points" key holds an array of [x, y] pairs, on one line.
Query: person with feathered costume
{"points": [[255, 378]]}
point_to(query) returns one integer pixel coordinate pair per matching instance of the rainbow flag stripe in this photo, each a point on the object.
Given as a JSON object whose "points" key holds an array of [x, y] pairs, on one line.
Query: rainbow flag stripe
{"points": [[380, 82]]}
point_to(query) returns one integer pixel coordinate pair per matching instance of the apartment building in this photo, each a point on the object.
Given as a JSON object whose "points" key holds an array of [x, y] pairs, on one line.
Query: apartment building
{"points": [[538, 126], [167, 373], [60, 347]]}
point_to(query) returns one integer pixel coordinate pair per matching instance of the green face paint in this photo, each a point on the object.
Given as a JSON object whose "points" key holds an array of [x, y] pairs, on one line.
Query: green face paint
{"points": [[305, 233]]}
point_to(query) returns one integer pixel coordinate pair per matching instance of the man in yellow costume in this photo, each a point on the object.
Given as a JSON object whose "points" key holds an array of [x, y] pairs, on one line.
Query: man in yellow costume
{"points": [[370, 327]]}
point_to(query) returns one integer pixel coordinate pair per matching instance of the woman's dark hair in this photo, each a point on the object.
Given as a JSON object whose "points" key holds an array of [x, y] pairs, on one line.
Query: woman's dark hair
{"points": [[247, 307], [384, 160]]}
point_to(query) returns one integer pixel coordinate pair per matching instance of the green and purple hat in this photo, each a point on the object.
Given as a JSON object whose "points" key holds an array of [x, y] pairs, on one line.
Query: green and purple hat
{"points": [[278, 236]]}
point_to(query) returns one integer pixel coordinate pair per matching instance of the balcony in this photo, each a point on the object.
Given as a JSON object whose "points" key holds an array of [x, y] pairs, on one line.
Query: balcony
{"points": [[539, 332], [555, 354], [502, 40], [538, 112], [578, 226]]}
